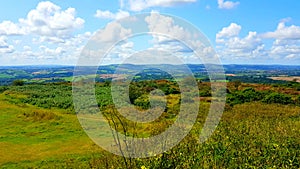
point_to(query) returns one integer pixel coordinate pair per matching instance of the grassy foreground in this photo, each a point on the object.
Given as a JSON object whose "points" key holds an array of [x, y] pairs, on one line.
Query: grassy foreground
{"points": [[250, 135]]}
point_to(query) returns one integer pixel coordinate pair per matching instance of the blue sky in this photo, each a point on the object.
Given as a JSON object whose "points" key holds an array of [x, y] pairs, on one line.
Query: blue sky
{"points": [[241, 31]]}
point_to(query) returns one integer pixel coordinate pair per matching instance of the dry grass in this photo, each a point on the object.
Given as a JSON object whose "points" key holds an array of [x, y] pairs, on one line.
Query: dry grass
{"points": [[287, 78]]}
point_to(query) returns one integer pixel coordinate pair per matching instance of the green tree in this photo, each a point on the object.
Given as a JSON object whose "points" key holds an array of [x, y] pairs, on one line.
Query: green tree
{"points": [[278, 98], [246, 95], [18, 83]]}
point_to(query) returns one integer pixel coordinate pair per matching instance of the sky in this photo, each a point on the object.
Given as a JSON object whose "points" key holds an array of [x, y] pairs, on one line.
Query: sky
{"points": [[240, 31]]}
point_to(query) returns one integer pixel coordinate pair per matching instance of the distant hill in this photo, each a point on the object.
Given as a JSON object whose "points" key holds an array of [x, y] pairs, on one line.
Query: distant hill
{"points": [[57, 73]]}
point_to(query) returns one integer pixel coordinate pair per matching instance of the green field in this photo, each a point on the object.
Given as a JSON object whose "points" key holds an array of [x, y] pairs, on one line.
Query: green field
{"points": [[39, 129], [6, 76]]}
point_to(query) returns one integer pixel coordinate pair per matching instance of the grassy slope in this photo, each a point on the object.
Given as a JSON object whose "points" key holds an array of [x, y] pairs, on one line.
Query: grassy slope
{"points": [[249, 135], [29, 133]]}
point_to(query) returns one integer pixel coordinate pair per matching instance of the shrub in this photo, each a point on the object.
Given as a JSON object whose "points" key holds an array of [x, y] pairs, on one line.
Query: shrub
{"points": [[18, 83], [247, 95], [278, 98], [298, 100], [143, 102], [205, 92], [3, 88]]}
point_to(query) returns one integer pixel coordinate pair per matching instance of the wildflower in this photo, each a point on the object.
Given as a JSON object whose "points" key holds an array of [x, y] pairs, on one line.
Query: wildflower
{"points": [[143, 167]]}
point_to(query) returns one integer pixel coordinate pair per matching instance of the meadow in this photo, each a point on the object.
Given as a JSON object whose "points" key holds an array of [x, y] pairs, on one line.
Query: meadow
{"points": [[260, 128]]}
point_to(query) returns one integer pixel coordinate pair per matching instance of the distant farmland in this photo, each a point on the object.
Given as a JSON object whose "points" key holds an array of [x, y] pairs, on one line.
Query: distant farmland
{"points": [[287, 78]]}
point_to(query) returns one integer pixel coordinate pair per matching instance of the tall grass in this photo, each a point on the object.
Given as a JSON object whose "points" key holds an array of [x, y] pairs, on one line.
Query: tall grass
{"points": [[249, 135]]}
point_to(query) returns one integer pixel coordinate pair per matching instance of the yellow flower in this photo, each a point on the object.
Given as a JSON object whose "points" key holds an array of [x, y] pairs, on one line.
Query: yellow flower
{"points": [[143, 167]]}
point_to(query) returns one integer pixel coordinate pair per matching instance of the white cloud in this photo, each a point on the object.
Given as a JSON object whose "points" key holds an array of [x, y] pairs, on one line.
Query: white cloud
{"points": [[4, 46], [111, 33], [49, 20], [232, 30], [286, 44], [231, 45], [50, 39], [139, 5], [121, 52], [127, 45], [10, 28], [50, 27], [165, 25], [26, 48], [285, 49], [106, 38], [69, 50], [284, 32], [48, 53], [227, 4], [185, 42], [169, 35], [247, 44], [58, 53], [17, 41], [109, 15]]}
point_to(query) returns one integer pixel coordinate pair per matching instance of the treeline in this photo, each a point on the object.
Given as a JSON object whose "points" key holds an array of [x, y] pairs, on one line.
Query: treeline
{"points": [[59, 95], [46, 95], [263, 79], [250, 95]]}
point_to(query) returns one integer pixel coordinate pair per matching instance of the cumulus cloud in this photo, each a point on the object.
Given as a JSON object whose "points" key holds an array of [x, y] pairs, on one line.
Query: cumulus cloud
{"points": [[232, 30], [111, 33], [170, 34], [284, 32], [50, 20], [101, 43], [109, 15], [26, 48], [139, 5], [48, 53], [184, 42], [10, 28], [165, 25], [121, 52], [46, 24], [4, 46], [227, 4], [286, 43], [285, 49], [285, 46], [58, 53], [231, 45]]}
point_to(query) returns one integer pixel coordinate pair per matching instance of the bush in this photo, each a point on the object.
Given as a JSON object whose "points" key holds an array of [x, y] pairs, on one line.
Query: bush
{"points": [[143, 102], [247, 95], [3, 88], [278, 98], [18, 83], [298, 100], [205, 92]]}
